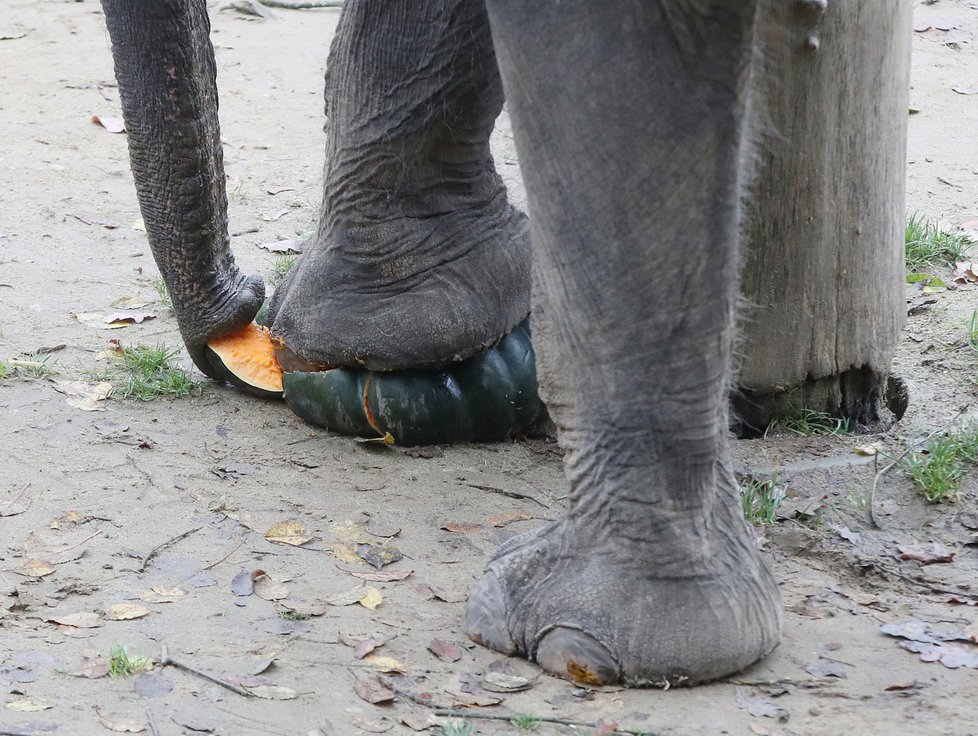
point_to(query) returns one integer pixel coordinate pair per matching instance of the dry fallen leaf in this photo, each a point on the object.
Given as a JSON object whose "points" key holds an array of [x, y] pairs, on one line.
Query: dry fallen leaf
{"points": [[82, 620], [35, 568], [347, 598], [966, 272], [94, 319], [380, 726], [964, 90], [162, 594], [128, 317], [29, 705], [384, 664], [243, 584], [270, 590], [502, 682], [126, 611], [446, 651], [378, 555], [371, 598], [119, 724], [84, 395], [93, 668], [290, 245], [110, 123], [288, 532], [927, 553], [372, 692], [273, 692], [758, 706], [381, 576]]}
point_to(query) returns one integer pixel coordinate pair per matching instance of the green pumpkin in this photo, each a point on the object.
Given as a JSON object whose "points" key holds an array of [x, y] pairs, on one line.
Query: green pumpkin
{"points": [[491, 396]]}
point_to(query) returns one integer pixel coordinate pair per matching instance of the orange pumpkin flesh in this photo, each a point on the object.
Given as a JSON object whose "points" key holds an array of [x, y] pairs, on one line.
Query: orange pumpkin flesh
{"points": [[249, 357]]}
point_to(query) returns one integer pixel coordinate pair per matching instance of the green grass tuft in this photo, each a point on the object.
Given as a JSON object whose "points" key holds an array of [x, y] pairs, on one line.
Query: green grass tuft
{"points": [[808, 422], [760, 498], [163, 293], [121, 664], [457, 728], [524, 721], [937, 470], [145, 373], [927, 245], [280, 267]]}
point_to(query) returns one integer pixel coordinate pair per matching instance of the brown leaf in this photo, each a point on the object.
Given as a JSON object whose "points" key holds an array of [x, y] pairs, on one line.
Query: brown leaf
{"points": [[365, 647], [446, 651], [927, 553], [120, 725], [111, 124], [966, 272], [372, 692], [82, 620]]}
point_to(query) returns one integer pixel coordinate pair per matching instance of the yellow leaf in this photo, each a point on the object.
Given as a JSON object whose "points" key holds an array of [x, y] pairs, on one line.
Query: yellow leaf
{"points": [[345, 554], [371, 598], [288, 532], [384, 664], [35, 568], [868, 450], [28, 705]]}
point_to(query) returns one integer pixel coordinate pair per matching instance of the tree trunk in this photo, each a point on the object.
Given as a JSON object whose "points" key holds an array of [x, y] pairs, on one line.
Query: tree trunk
{"points": [[824, 222]]}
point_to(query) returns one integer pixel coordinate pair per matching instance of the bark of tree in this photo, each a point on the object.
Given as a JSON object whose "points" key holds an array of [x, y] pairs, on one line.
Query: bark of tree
{"points": [[823, 268]]}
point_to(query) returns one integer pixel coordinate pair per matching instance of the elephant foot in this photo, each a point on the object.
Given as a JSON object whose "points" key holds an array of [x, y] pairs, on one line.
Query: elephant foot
{"points": [[401, 292], [602, 617]]}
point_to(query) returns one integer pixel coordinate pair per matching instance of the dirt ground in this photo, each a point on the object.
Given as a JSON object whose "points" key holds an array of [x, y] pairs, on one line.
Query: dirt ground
{"points": [[132, 525]]}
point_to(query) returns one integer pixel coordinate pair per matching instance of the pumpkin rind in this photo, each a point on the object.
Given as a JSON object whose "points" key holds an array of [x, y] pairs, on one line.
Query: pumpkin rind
{"points": [[246, 359], [491, 396]]}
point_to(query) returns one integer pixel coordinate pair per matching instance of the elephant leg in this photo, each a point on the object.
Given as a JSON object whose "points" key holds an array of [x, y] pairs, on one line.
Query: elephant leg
{"points": [[419, 259], [629, 122], [165, 67]]}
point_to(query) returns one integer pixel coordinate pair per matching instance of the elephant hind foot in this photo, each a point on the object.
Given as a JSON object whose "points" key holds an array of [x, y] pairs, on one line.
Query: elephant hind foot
{"points": [[593, 618]]}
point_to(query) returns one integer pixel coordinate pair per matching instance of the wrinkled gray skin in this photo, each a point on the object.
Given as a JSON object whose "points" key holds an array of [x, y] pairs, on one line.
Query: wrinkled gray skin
{"points": [[629, 123]]}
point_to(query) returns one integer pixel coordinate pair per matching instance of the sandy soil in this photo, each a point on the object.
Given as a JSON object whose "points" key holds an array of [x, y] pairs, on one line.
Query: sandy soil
{"points": [[123, 505]]}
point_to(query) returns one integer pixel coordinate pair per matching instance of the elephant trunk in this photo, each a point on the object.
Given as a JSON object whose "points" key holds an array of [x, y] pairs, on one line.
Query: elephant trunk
{"points": [[165, 67]]}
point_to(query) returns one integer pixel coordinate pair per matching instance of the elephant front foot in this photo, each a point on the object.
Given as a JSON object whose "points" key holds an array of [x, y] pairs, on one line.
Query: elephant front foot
{"points": [[603, 616], [404, 292]]}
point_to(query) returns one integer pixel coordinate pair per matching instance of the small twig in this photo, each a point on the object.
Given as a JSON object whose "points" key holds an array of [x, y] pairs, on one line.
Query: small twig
{"points": [[301, 4], [799, 681], [454, 713], [899, 459], [166, 659], [76, 544], [215, 564], [153, 552], [508, 494], [923, 583], [391, 684], [153, 728]]}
